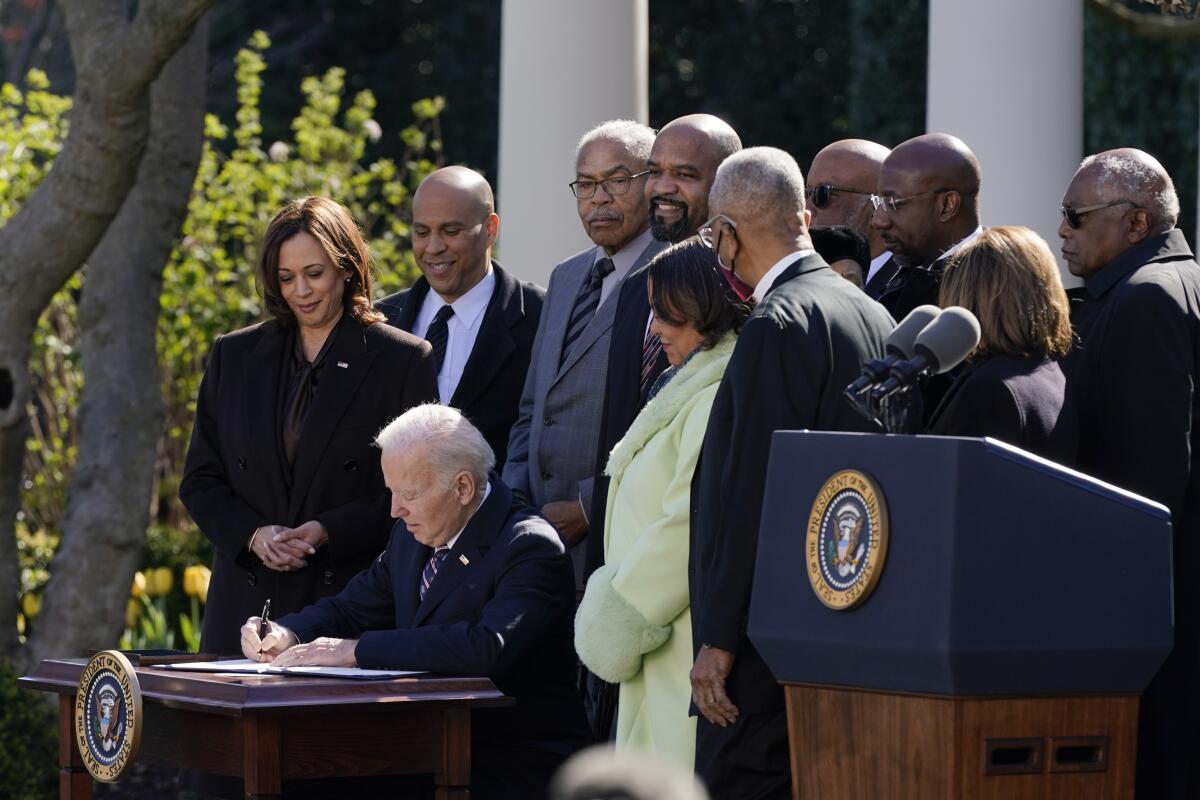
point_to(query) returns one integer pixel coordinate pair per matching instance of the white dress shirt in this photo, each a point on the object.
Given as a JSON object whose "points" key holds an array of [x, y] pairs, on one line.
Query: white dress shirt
{"points": [[877, 264], [462, 329], [767, 281], [487, 489], [623, 261], [961, 243]]}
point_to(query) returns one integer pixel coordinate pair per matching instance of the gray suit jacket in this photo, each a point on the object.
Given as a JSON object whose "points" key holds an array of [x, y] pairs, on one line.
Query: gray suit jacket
{"points": [[552, 447]]}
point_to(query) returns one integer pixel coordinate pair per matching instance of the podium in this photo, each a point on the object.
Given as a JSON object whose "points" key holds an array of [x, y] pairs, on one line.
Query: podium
{"points": [[956, 618]]}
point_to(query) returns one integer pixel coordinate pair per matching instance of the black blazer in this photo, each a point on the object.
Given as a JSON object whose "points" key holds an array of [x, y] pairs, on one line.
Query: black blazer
{"points": [[622, 399], [1020, 400], [502, 606], [880, 279], [490, 389], [235, 478], [803, 344], [910, 287]]}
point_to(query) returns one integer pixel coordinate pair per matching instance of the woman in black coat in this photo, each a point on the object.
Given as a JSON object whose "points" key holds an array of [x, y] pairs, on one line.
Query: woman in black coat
{"points": [[282, 474], [1011, 388]]}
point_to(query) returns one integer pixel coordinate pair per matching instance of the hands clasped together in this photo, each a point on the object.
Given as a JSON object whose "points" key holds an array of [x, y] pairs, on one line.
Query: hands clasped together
{"points": [[285, 549], [281, 648]]}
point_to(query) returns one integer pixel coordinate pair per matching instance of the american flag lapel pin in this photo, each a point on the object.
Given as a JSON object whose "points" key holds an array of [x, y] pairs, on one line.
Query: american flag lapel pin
{"points": [[343, 364], [464, 560]]}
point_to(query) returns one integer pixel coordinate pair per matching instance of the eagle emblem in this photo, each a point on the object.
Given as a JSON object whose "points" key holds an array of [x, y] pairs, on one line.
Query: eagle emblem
{"points": [[108, 727], [849, 545], [846, 539]]}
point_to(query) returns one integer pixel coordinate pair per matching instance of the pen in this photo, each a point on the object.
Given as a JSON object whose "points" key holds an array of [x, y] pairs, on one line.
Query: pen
{"points": [[264, 626]]}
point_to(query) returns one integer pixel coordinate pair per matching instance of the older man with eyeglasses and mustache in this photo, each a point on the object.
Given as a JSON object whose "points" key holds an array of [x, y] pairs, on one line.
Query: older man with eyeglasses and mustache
{"points": [[925, 210], [841, 180], [1135, 371]]}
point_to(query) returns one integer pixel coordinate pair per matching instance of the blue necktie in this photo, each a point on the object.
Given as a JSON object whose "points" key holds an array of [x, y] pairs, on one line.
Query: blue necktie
{"points": [[432, 566]]}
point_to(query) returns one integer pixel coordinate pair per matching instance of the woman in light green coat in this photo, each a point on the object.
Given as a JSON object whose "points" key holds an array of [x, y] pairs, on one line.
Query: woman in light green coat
{"points": [[633, 626]]}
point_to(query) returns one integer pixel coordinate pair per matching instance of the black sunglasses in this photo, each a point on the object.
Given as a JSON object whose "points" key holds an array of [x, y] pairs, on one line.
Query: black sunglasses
{"points": [[1072, 215], [822, 193]]}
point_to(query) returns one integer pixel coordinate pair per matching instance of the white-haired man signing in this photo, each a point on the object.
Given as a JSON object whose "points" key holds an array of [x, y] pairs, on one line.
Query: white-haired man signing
{"points": [[472, 582]]}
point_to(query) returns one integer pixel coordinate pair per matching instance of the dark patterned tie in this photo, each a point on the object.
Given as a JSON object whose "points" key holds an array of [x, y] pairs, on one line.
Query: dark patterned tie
{"points": [[585, 305], [433, 565], [438, 334], [651, 347]]}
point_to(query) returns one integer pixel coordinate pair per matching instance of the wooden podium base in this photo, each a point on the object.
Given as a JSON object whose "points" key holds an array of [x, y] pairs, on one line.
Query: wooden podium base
{"points": [[848, 744]]}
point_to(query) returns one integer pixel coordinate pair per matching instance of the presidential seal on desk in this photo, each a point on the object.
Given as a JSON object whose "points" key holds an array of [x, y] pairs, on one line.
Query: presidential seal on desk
{"points": [[847, 538], [108, 715]]}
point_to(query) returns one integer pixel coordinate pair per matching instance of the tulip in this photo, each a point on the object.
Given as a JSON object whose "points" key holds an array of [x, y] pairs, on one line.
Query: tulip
{"points": [[139, 585], [133, 612], [203, 576], [20, 624], [31, 604], [189, 580], [161, 579]]}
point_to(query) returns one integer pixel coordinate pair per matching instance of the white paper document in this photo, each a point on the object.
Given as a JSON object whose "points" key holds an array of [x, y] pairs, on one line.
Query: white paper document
{"points": [[245, 666]]}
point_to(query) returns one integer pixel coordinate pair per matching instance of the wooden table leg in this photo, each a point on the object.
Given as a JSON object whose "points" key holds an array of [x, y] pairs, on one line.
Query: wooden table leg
{"points": [[453, 780], [260, 757], [74, 781]]}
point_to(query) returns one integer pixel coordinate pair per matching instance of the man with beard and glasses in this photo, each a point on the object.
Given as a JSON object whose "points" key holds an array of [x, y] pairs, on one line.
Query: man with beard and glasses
{"points": [[552, 446], [841, 180], [925, 210], [682, 166]]}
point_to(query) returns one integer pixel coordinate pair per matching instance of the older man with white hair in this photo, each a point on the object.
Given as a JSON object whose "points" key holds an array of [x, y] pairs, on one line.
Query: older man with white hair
{"points": [[1136, 371], [472, 582], [806, 340]]}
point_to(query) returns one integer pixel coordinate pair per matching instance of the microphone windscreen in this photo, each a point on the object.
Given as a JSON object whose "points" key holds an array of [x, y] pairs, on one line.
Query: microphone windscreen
{"points": [[904, 335], [950, 338]]}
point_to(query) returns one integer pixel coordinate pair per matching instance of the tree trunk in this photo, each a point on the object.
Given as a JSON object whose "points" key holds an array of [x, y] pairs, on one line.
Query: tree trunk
{"points": [[116, 60], [121, 413]]}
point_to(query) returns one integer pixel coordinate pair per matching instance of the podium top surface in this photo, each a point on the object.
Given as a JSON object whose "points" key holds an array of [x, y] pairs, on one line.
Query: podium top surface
{"points": [[238, 695]]}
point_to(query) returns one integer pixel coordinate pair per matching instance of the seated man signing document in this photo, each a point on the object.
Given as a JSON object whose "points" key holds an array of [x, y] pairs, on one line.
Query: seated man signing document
{"points": [[472, 582]]}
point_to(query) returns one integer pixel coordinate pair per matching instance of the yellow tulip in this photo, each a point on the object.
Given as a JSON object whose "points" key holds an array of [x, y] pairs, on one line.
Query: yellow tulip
{"points": [[31, 604], [203, 576], [20, 624], [139, 585], [189, 581], [133, 612], [163, 579]]}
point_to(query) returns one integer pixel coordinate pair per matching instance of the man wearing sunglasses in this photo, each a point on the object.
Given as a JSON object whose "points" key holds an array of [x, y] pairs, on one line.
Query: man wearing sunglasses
{"points": [[1135, 371], [806, 340], [925, 209], [841, 180]]}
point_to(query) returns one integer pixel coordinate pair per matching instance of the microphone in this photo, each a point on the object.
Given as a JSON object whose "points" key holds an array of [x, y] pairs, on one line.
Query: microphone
{"points": [[899, 346], [938, 348]]}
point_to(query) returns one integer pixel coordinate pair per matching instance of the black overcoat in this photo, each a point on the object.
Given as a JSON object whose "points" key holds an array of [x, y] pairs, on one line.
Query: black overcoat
{"points": [[236, 480]]}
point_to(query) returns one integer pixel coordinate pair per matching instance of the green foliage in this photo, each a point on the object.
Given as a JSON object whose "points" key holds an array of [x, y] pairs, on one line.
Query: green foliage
{"points": [[28, 742], [151, 631]]}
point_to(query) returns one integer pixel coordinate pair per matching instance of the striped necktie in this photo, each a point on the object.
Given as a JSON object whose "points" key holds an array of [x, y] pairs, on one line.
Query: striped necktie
{"points": [[432, 566], [585, 305], [651, 347], [438, 334]]}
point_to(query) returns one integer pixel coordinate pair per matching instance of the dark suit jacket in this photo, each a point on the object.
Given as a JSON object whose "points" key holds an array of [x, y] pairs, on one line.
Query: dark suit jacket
{"points": [[490, 388], [236, 479], [910, 287], [622, 396], [879, 280], [803, 344], [1136, 372], [506, 613], [1020, 400]]}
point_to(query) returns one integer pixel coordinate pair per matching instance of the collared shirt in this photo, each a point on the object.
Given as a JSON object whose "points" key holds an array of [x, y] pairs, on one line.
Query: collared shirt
{"points": [[877, 264], [767, 281], [462, 329], [623, 261], [960, 244], [486, 491]]}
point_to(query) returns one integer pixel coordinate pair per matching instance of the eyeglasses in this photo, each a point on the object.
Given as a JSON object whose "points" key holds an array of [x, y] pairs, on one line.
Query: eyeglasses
{"points": [[1072, 215], [706, 231], [822, 193], [888, 203], [613, 186]]}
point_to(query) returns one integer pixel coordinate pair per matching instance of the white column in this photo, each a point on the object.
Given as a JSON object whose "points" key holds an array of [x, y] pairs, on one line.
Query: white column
{"points": [[565, 65], [1007, 79]]}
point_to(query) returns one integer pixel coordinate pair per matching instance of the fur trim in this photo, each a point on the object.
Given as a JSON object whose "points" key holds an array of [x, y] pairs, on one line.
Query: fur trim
{"points": [[611, 635], [706, 368]]}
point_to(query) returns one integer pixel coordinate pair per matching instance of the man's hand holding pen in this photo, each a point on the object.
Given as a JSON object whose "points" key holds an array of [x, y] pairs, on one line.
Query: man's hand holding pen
{"points": [[263, 640]]}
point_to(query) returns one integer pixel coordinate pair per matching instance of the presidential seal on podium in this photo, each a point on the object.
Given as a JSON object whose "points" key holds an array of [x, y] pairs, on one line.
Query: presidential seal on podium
{"points": [[847, 539], [108, 715]]}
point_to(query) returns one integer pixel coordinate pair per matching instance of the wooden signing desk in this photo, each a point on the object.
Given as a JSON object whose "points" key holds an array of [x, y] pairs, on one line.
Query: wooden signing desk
{"points": [[267, 729]]}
